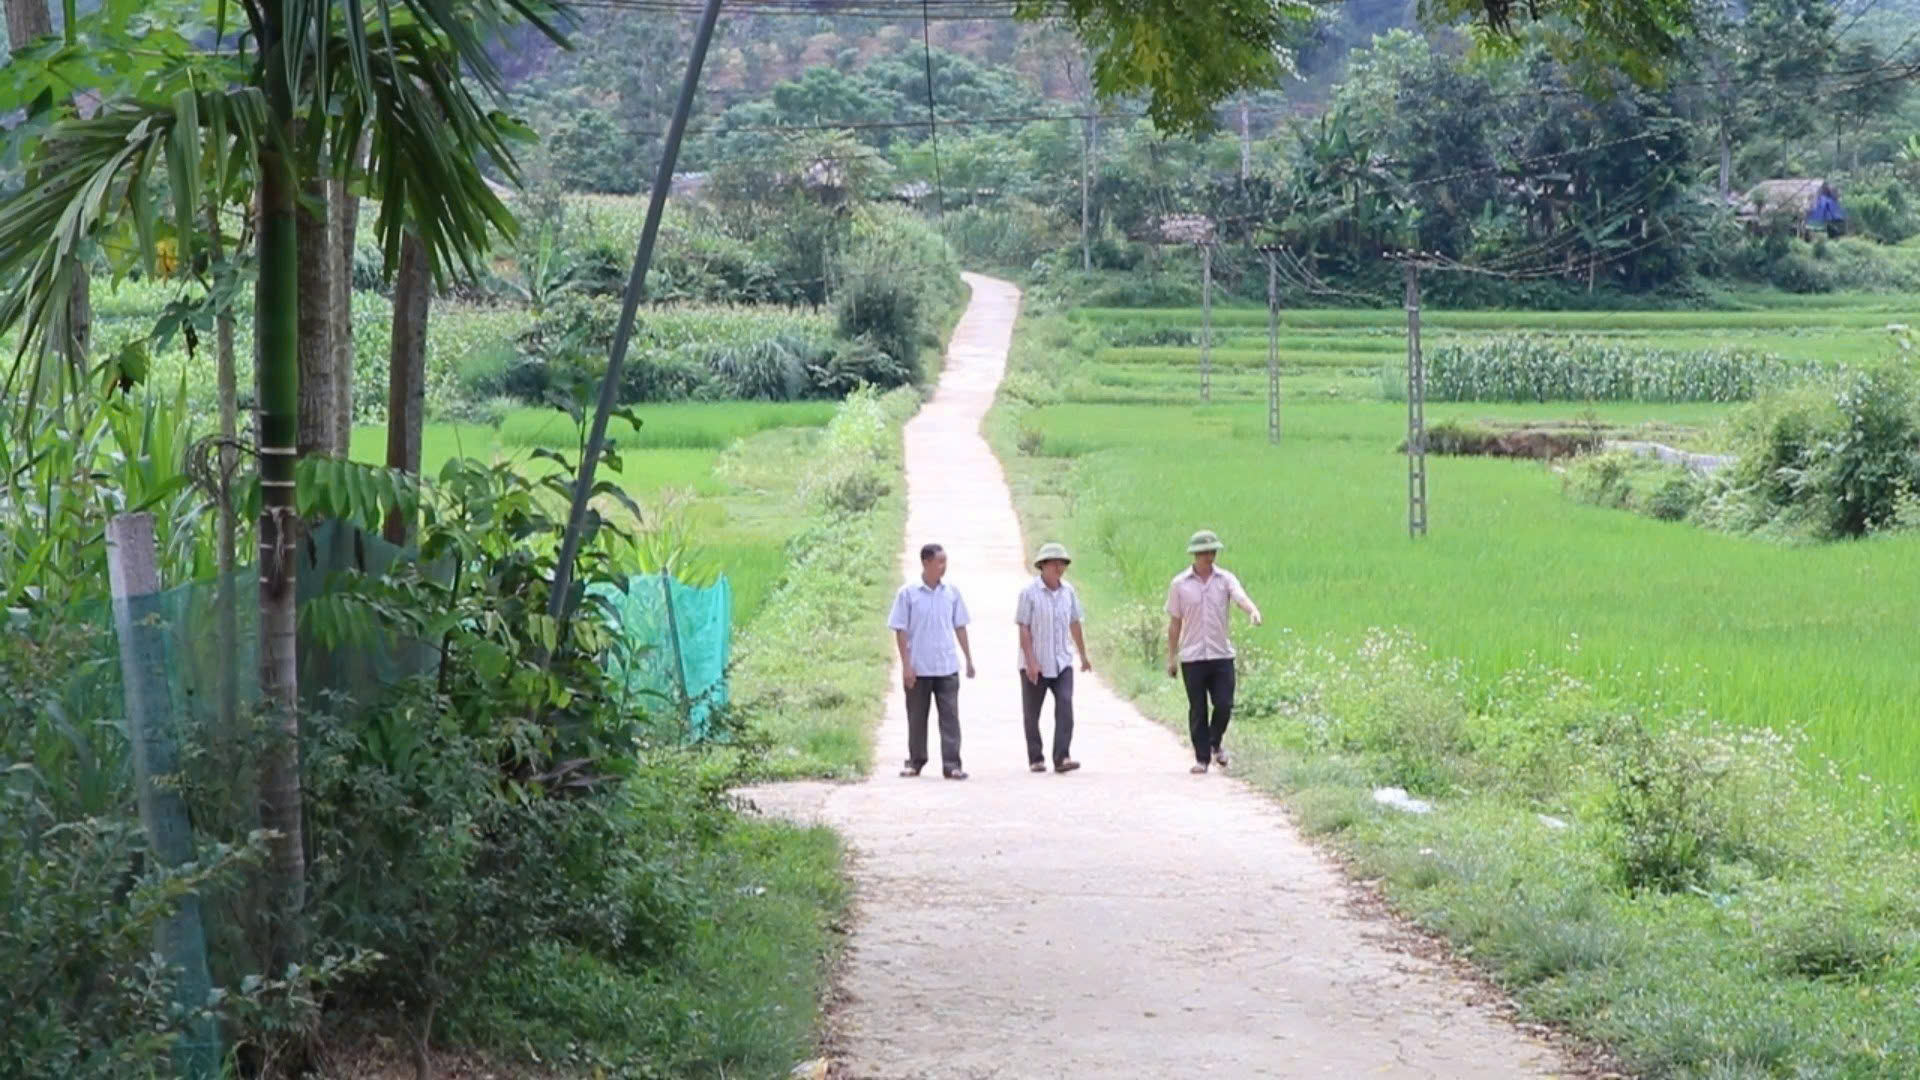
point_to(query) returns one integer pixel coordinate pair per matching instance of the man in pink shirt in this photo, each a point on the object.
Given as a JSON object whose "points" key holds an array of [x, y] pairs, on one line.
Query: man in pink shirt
{"points": [[1198, 647]]}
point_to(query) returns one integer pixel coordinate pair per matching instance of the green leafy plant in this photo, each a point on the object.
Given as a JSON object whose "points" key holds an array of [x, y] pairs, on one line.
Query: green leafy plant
{"points": [[1531, 368], [77, 466], [1837, 460]]}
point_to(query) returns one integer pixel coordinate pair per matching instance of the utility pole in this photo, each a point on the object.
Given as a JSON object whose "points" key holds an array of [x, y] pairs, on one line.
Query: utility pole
{"points": [[1086, 200], [1246, 141], [1206, 321], [1416, 410], [1273, 345], [559, 599]]}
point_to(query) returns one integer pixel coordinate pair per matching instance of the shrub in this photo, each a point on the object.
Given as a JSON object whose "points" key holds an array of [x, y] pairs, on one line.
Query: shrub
{"points": [[87, 998], [1397, 707], [1841, 460], [676, 354], [853, 470], [1678, 802], [512, 793], [775, 369], [1031, 389], [883, 310], [1795, 272], [1012, 234], [897, 281], [1131, 289], [1623, 481], [1466, 438], [1856, 262], [844, 366], [1125, 334], [1603, 480], [486, 373], [1881, 208], [1676, 498], [855, 490]]}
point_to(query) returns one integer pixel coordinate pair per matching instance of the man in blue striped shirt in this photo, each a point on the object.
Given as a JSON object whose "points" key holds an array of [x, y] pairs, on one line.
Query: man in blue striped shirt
{"points": [[1049, 615], [928, 618]]}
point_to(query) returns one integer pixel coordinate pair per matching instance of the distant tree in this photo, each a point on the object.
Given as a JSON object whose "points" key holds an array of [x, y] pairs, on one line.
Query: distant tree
{"points": [[1607, 187], [962, 88], [1862, 99], [1757, 67], [1186, 58], [831, 97], [1597, 40]]}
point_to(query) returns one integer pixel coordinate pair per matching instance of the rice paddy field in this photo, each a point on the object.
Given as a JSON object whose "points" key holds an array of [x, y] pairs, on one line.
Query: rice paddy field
{"points": [[1153, 354], [724, 469], [1816, 641]]}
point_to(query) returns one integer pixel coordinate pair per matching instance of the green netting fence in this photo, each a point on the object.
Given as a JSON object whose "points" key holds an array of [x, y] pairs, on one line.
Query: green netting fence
{"points": [[675, 641]]}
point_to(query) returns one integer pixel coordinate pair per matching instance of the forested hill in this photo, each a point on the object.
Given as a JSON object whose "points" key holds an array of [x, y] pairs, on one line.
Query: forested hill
{"points": [[624, 41]]}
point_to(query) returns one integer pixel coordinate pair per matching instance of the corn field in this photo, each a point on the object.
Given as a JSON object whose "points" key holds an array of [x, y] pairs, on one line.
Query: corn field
{"points": [[1528, 369]]}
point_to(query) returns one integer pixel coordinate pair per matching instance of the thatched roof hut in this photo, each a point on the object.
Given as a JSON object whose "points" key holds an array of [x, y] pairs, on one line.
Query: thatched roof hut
{"points": [[1803, 200]]}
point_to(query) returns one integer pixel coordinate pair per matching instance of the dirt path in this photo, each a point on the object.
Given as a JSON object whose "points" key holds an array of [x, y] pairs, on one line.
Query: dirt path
{"points": [[1129, 920]]}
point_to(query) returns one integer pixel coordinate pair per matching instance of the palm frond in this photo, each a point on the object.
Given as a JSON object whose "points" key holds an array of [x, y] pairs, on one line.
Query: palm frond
{"points": [[91, 171], [429, 135]]}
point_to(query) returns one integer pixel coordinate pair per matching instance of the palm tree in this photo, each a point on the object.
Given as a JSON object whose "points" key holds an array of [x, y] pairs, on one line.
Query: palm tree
{"points": [[281, 106]]}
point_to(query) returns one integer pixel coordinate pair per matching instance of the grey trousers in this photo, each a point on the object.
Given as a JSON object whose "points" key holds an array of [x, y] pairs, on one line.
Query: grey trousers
{"points": [[1032, 696], [929, 691]]}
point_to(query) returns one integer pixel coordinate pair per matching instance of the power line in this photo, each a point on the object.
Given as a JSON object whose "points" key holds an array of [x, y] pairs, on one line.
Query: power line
{"points": [[937, 10]]}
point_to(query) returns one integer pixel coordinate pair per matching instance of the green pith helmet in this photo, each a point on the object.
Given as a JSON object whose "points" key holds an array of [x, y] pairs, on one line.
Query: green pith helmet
{"points": [[1204, 540], [1049, 552]]}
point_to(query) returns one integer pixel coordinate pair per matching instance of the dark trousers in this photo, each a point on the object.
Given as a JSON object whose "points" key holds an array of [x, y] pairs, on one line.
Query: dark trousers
{"points": [[1208, 679], [1032, 696], [929, 690]]}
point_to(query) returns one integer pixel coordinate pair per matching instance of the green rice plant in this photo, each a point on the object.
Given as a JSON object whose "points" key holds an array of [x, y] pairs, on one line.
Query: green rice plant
{"points": [[1855, 313], [1247, 359], [678, 426], [813, 664], [1757, 634]]}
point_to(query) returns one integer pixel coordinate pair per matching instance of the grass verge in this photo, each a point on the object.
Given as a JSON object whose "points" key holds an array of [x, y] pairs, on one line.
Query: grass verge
{"points": [[742, 998], [813, 666]]}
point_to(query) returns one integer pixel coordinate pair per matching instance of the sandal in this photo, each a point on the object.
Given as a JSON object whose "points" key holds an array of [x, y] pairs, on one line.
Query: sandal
{"points": [[1199, 770], [1065, 765], [1036, 766], [1220, 757], [910, 770], [954, 774]]}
